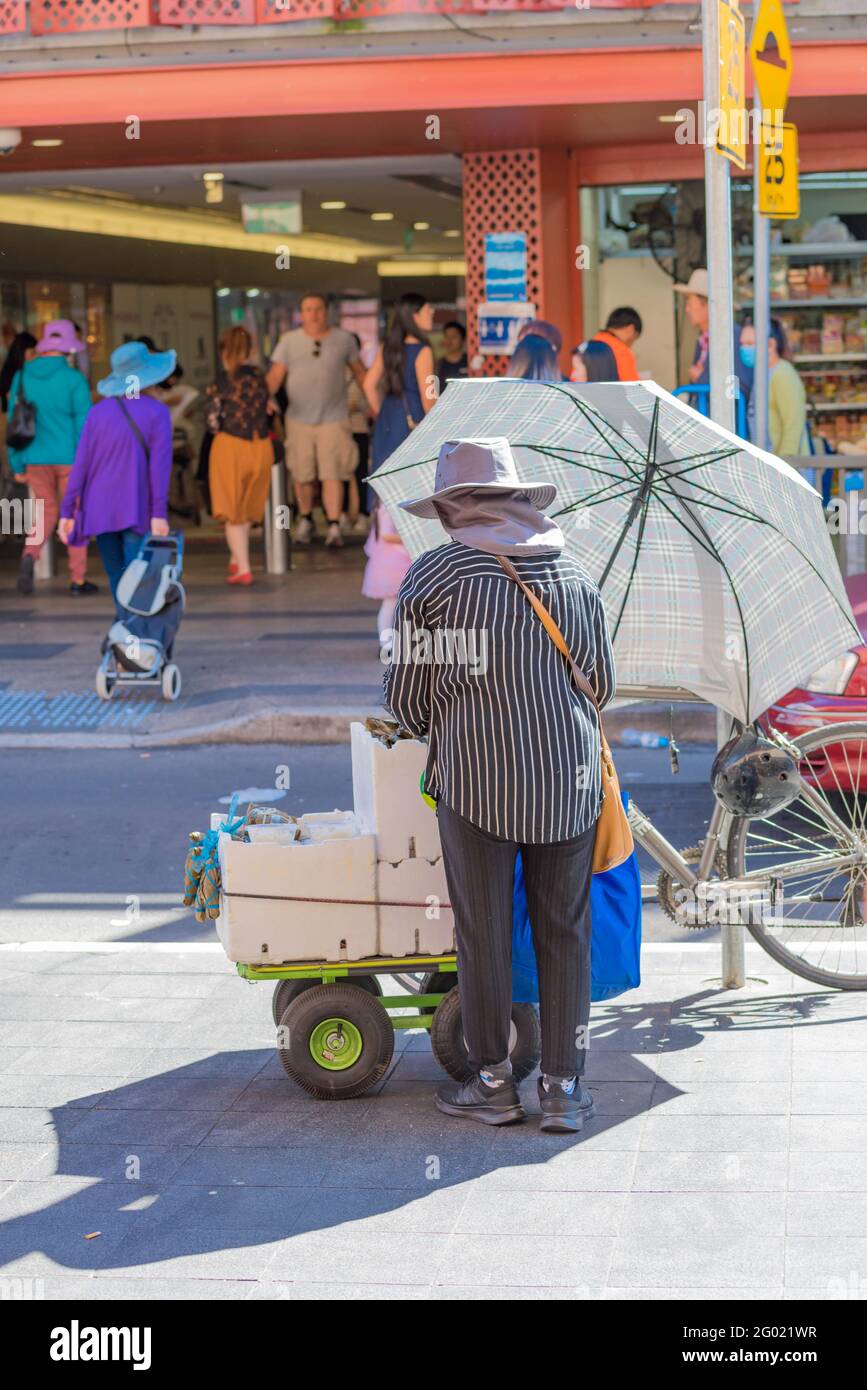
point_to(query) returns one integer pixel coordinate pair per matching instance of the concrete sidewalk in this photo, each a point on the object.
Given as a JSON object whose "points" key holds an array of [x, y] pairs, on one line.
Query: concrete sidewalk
{"points": [[143, 1105], [292, 659]]}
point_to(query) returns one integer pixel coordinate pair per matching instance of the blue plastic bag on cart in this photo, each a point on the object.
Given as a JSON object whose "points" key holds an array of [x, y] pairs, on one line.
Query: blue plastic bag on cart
{"points": [[615, 951]]}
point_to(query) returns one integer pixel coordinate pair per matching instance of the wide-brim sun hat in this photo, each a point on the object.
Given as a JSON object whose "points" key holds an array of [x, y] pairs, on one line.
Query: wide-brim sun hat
{"points": [[59, 335], [134, 368], [481, 464], [696, 284]]}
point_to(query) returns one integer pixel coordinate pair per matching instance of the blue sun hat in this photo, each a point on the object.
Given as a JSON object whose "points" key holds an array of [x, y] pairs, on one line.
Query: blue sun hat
{"points": [[133, 368]]}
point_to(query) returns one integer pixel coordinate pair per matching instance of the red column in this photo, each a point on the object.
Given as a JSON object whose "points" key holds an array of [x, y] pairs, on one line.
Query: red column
{"points": [[531, 191]]}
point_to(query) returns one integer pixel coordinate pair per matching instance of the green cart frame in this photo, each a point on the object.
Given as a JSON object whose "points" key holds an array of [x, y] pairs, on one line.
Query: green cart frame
{"points": [[335, 1027]]}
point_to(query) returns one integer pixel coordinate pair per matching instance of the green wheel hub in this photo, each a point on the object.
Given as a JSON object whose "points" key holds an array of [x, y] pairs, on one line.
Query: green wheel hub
{"points": [[336, 1044]]}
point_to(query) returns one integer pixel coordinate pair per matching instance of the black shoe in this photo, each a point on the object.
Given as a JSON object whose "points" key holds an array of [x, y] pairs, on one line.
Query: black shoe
{"points": [[84, 588], [563, 1113], [474, 1100], [25, 574]]}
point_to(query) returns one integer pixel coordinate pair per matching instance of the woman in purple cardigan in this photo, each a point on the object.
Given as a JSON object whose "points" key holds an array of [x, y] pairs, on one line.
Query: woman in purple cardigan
{"points": [[119, 485]]}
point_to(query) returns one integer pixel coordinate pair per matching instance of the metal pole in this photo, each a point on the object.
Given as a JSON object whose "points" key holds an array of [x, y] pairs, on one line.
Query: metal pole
{"points": [[723, 381], [761, 297], [718, 223], [276, 536], [44, 567]]}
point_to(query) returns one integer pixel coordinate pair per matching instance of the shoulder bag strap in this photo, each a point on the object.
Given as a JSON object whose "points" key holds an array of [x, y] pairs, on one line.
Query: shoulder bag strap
{"points": [[554, 633], [135, 429]]}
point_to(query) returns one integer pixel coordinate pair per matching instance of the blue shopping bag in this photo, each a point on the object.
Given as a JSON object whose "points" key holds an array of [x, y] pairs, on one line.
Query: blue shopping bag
{"points": [[615, 952]]}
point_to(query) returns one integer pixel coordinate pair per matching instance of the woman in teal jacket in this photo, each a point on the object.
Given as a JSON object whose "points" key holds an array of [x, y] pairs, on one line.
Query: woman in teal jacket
{"points": [[60, 396]]}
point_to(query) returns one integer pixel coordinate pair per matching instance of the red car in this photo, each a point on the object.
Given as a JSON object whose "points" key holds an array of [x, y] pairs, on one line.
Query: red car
{"points": [[836, 692]]}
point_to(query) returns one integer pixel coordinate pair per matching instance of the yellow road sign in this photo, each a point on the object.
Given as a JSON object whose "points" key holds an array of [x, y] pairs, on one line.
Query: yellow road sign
{"points": [[771, 54], [732, 131], [779, 194]]}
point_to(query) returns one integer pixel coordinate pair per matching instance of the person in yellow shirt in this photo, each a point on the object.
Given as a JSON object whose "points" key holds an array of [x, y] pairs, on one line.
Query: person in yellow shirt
{"points": [[787, 399]]}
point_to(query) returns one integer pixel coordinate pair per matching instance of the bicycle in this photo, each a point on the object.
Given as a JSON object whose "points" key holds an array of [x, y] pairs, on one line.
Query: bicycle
{"points": [[797, 879]]}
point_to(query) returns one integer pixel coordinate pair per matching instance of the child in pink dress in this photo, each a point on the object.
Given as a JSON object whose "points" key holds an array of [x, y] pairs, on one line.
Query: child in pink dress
{"points": [[387, 563]]}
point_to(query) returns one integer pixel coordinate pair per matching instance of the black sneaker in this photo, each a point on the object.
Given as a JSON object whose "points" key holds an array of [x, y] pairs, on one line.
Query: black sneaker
{"points": [[25, 574], [474, 1100], [564, 1112], [84, 588]]}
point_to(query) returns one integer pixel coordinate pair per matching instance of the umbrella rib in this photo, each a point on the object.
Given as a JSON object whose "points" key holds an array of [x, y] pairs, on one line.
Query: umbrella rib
{"points": [[593, 418], [720, 561], [639, 502], [747, 515], [638, 539]]}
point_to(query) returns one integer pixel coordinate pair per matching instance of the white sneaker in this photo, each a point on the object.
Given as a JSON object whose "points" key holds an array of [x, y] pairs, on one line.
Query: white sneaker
{"points": [[360, 526], [344, 522], [303, 531], [333, 536]]}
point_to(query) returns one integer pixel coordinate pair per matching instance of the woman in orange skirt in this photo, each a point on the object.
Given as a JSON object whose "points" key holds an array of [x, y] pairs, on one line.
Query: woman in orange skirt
{"points": [[241, 454]]}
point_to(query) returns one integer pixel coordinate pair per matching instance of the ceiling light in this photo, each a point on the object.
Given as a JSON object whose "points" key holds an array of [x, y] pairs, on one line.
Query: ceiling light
{"points": [[45, 144], [671, 120], [333, 205], [213, 187], [213, 176], [251, 294], [421, 226], [452, 231], [382, 217], [396, 268], [221, 294], [166, 224]]}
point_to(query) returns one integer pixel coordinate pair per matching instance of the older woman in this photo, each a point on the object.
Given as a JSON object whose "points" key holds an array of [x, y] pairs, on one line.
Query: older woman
{"points": [[118, 487], [513, 761]]}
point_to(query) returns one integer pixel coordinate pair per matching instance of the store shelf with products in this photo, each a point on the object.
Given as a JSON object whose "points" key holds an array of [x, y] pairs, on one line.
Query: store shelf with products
{"points": [[819, 295]]}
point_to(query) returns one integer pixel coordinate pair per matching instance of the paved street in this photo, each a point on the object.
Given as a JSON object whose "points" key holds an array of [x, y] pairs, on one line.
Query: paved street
{"points": [[294, 658], [151, 1145]]}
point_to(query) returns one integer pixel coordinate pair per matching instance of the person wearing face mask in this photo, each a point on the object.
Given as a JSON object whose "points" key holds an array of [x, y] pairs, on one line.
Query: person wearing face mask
{"points": [[787, 399], [513, 761]]}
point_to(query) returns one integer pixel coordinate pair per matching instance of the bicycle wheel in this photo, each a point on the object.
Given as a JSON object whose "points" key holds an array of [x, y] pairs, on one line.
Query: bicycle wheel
{"points": [[816, 852]]}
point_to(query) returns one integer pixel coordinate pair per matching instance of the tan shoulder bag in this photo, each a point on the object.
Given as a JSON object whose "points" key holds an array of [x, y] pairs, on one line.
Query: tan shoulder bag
{"points": [[614, 843]]}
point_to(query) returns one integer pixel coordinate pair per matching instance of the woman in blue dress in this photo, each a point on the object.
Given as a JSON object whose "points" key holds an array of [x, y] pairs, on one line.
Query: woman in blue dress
{"points": [[401, 385]]}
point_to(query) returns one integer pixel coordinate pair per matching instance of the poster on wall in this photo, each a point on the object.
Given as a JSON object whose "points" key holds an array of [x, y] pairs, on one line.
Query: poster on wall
{"points": [[505, 267], [500, 324]]}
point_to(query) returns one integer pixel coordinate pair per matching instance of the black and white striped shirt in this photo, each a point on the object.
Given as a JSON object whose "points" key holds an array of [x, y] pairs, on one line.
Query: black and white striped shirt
{"points": [[513, 746]]}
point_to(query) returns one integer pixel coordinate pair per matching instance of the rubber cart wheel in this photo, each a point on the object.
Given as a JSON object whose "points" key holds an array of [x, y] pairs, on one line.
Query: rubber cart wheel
{"points": [[171, 681], [105, 683], [437, 982], [337, 1041], [450, 1049], [287, 990]]}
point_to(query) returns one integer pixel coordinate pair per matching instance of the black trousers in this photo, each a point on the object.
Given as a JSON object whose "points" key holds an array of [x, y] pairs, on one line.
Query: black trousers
{"points": [[480, 871]]}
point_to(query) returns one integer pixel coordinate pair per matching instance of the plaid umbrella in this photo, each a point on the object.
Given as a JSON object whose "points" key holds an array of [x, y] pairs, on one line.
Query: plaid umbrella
{"points": [[713, 557]]}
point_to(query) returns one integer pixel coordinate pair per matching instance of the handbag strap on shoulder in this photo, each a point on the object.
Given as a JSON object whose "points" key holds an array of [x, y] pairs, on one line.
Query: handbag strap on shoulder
{"points": [[134, 427], [554, 633]]}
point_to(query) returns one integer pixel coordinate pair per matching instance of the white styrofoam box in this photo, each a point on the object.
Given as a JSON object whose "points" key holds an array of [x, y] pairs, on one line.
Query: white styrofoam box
{"points": [[388, 803], [272, 931], [415, 914], [337, 869]]}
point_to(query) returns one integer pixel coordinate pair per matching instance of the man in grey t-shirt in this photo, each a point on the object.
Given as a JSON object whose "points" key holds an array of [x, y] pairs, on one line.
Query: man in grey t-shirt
{"points": [[312, 360]]}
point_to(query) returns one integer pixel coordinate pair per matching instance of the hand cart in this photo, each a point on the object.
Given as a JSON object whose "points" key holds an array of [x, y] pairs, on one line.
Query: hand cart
{"points": [[335, 1027]]}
